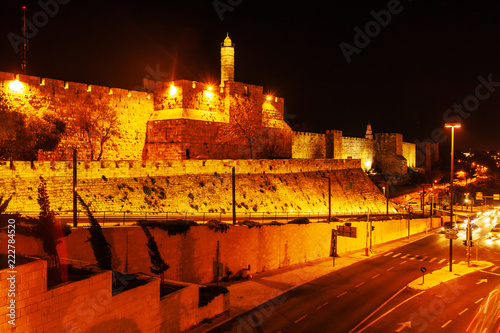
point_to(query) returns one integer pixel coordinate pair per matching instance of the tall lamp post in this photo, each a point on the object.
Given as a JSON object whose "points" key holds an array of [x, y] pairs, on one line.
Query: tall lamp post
{"points": [[452, 126]]}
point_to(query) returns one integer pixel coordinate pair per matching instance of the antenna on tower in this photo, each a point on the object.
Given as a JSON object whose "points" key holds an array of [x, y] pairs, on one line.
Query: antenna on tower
{"points": [[24, 55]]}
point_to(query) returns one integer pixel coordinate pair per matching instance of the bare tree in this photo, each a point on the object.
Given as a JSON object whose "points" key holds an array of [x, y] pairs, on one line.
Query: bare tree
{"points": [[99, 122]]}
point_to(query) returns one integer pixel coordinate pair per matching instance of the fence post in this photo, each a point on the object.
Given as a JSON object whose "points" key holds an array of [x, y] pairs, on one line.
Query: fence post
{"points": [[220, 218], [123, 218], [185, 216], [250, 216], [104, 219], [146, 215], [286, 217], [167, 216], [203, 217], [262, 217]]}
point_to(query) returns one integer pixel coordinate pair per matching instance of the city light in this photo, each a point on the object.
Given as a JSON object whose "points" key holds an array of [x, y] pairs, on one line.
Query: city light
{"points": [[16, 86], [208, 93], [173, 90]]}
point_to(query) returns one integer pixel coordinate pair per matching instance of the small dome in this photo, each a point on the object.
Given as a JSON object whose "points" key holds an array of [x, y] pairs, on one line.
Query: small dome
{"points": [[227, 41]]}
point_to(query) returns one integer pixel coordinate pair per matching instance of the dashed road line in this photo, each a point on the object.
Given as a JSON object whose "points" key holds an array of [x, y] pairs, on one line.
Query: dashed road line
{"points": [[373, 277], [362, 283], [413, 258], [494, 268], [397, 254], [479, 300], [445, 324], [389, 269], [345, 292], [388, 254], [432, 259], [322, 305], [441, 261], [403, 262], [406, 255], [463, 311], [300, 319], [424, 258]]}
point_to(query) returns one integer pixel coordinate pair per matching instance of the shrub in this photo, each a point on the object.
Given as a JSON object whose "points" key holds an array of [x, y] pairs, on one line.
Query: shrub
{"points": [[146, 190], [158, 265], [300, 220], [216, 225], [104, 178], [208, 293], [174, 227]]}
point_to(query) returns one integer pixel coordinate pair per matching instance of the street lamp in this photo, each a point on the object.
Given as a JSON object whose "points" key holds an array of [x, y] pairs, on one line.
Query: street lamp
{"points": [[452, 126]]}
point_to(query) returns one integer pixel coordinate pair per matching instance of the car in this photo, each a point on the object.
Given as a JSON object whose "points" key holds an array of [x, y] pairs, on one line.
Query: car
{"points": [[495, 231]]}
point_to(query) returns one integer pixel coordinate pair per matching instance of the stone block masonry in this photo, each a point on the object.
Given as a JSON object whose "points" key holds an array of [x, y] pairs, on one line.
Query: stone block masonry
{"points": [[266, 248], [293, 186], [89, 305]]}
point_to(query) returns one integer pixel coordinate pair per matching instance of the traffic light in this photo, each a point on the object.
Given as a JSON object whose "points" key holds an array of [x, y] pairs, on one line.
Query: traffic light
{"points": [[373, 228], [465, 243]]}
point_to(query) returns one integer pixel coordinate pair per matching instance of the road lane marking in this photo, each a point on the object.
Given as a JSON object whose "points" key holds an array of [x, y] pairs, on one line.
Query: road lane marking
{"points": [[397, 254], [441, 261], [424, 258], [432, 259], [489, 272], [389, 269], [406, 255], [345, 292], [373, 277], [388, 254], [300, 319], [362, 283], [403, 262], [449, 321], [494, 268], [463, 311], [413, 258], [385, 314], [319, 307], [479, 300]]}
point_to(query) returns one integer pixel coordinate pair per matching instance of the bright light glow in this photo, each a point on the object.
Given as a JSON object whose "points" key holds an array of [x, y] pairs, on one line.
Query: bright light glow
{"points": [[16, 86], [368, 165], [208, 93], [210, 88], [173, 90], [452, 125], [269, 97]]}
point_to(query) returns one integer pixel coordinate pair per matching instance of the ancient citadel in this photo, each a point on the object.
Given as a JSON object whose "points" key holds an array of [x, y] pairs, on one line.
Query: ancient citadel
{"points": [[189, 121]]}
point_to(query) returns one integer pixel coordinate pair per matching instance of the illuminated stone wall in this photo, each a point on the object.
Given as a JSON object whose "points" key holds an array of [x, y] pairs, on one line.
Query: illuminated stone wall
{"points": [[196, 186], [191, 256], [40, 96], [359, 148], [308, 145]]}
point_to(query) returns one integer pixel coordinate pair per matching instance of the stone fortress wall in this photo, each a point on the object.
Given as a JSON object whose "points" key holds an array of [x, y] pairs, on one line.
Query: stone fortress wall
{"points": [[195, 186]]}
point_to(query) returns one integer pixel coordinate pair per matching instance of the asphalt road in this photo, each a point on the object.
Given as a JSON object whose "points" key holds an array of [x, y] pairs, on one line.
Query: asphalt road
{"points": [[355, 298]]}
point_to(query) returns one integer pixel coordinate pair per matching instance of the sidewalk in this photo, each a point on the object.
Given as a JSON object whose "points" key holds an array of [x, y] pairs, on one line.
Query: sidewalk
{"points": [[248, 294]]}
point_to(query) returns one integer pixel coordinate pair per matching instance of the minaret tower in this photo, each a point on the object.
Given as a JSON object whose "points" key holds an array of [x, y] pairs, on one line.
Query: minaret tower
{"points": [[226, 61], [369, 133]]}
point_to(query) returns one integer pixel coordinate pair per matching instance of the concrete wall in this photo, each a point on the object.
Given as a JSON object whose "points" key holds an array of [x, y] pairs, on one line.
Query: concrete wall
{"points": [[191, 257], [294, 186]]}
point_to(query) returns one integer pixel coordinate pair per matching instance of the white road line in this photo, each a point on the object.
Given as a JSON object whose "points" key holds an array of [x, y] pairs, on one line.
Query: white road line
{"points": [[494, 268], [373, 277], [389, 269], [413, 258], [388, 254], [300, 319], [489, 272], [463, 311], [319, 307], [345, 292], [441, 261], [406, 255], [397, 254], [424, 258], [479, 300], [403, 262], [362, 283], [449, 321], [432, 259]]}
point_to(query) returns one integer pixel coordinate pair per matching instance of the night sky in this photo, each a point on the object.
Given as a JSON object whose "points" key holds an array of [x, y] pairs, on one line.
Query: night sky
{"points": [[425, 60]]}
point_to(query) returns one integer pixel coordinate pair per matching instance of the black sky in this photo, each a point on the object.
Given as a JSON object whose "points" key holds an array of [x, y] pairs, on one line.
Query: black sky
{"points": [[426, 59]]}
